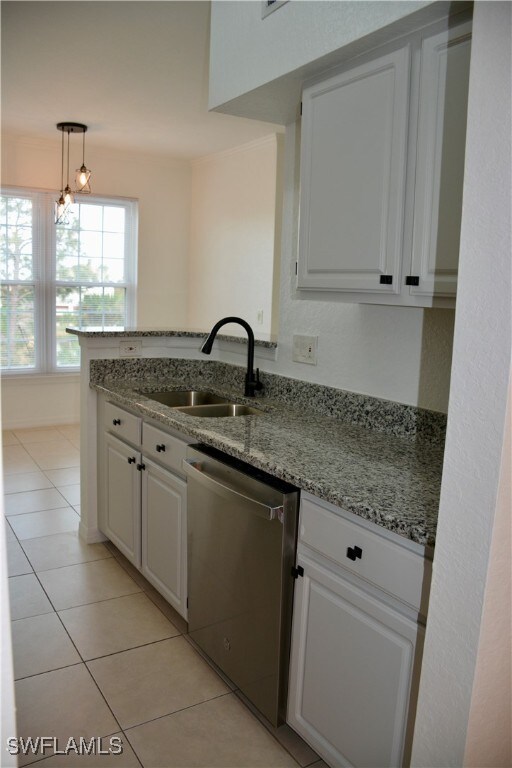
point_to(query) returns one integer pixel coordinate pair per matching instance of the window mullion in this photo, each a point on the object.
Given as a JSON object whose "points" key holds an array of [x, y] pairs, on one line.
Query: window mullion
{"points": [[39, 267], [130, 247], [50, 290]]}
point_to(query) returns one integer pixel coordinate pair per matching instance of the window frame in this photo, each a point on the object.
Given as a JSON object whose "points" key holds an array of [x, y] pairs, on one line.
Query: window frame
{"points": [[45, 279]]}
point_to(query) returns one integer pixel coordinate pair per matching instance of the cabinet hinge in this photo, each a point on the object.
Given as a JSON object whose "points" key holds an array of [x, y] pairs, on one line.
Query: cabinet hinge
{"points": [[297, 571], [386, 279], [412, 280], [140, 467]]}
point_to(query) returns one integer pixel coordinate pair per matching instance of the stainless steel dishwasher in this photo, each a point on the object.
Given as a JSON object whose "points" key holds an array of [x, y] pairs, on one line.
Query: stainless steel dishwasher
{"points": [[242, 531]]}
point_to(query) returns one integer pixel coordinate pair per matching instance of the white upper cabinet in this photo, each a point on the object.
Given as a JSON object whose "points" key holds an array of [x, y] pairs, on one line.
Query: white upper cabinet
{"points": [[443, 105], [382, 163], [354, 132]]}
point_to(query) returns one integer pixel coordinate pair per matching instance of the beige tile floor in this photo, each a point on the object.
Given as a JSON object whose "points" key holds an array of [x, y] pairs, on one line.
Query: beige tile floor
{"points": [[97, 652]]}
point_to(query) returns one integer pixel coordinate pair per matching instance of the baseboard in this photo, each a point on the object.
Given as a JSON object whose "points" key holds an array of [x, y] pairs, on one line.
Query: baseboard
{"points": [[40, 422], [90, 535]]}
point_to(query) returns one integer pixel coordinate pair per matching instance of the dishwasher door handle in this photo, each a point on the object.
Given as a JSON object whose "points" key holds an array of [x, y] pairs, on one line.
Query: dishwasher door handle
{"points": [[266, 511]]}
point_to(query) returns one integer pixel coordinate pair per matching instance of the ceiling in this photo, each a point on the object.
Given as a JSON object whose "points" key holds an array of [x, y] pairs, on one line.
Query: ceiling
{"points": [[136, 73]]}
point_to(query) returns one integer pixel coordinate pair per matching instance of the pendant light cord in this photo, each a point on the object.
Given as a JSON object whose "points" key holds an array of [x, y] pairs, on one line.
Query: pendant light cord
{"points": [[62, 163], [67, 177]]}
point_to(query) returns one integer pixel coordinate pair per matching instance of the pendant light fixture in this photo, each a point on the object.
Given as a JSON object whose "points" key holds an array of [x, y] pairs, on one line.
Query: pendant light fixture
{"points": [[83, 174], [66, 196], [60, 204]]}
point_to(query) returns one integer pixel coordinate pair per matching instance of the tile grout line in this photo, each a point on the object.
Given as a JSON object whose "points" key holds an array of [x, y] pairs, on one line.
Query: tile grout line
{"points": [[147, 593], [47, 671], [132, 648], [125, 650], [58, 567], [175, 712], [36, 511]]}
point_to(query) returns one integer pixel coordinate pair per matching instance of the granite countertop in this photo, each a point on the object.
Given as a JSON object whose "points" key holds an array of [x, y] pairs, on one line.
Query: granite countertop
{"points": [[134, 333], [391, 481]]}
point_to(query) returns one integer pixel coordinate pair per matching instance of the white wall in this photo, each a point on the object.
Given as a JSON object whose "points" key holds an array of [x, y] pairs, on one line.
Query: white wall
{"points": [[246, 51], [232, 236], [39, 401], [162, 186], [477, 408], [397, 353], [7, 703], [489, 737]]}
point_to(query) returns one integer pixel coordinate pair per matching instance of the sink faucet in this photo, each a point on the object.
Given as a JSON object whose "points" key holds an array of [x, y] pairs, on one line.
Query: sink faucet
{"points": [[252, 382]]}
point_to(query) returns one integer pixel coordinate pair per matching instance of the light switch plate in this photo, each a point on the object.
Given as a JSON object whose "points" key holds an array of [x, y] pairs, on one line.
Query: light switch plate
{"points": [[305, 349]]}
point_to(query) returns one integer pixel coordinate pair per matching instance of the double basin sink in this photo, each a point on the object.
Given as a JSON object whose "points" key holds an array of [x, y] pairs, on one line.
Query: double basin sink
{"points": [[197, 403]]}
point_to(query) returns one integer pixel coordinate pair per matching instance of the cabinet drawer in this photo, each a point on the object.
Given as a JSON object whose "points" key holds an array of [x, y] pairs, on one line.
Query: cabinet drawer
{"points": [[166, 449], [388, 565], [122, 423]]}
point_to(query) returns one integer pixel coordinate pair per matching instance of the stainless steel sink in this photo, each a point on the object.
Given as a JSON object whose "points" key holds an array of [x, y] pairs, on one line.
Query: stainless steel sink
{"points": [[221, 410], [185, 397]]}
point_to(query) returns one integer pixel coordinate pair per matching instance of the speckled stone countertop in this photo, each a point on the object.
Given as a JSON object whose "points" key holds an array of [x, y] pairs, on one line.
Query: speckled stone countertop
{"points": [[134, 333], [393, 481]]}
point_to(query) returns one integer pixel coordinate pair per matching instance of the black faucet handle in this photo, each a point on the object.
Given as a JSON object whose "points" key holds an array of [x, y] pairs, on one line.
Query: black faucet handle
{"points": [[258, 384], [253, 383]]}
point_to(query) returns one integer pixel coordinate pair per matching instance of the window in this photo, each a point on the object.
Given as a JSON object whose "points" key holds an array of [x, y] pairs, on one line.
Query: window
{"points": [[79, 274]]}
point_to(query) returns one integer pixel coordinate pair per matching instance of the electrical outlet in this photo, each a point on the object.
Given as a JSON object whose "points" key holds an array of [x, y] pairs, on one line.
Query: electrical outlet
{"points": [[259, 317], [305, 349], [130, 348]]}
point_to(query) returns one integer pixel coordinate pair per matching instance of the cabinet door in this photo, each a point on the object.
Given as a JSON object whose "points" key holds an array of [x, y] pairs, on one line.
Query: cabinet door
{"points": [[121, 513], [353, 165], [440, 161], [164, 534], [351, 669]]}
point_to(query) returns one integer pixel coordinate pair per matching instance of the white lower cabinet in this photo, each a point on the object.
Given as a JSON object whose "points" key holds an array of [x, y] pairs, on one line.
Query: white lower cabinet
{"points": [[120, 520], [164, 534], [355, 659], [141, 505]]}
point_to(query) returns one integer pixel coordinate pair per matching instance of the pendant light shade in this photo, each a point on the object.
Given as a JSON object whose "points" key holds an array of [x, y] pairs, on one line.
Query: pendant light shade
{"points": [[83, 174], [60, 210], [82, 180], [69, 197]]}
